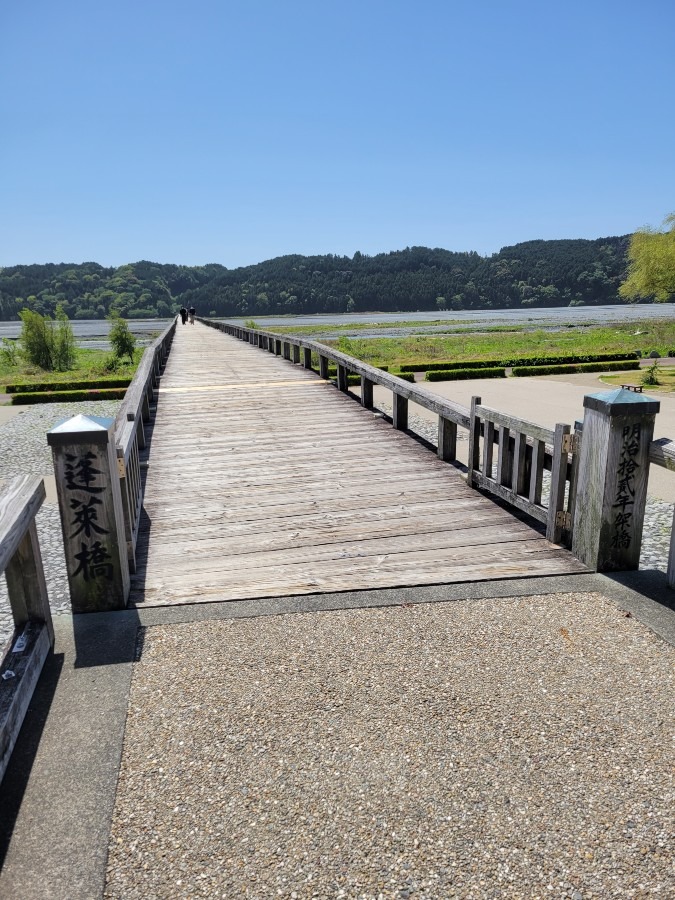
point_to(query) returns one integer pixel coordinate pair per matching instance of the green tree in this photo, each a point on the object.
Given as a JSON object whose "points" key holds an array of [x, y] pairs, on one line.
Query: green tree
{"points": [[651, 269], [37, 339], [122, 340], [63, 347]]}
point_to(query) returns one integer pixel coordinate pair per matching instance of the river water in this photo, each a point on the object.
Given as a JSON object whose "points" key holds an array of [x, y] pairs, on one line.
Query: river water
{"points": [[92, 333]]}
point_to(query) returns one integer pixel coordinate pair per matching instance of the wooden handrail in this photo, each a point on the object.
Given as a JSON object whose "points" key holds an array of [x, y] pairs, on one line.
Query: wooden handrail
{"points": [[33, 637], [662, 453], [130, 436], [143, 382]]}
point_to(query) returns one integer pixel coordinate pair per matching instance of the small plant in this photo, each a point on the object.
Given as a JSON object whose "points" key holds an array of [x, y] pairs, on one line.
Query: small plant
{"points": [[9, 352], [249, 323], [122, 340], [650, 375]]}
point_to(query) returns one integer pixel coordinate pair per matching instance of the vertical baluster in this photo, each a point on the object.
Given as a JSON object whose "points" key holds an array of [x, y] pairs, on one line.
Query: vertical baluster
{"points": [[536, 471], [488, 447], [519, 452]]}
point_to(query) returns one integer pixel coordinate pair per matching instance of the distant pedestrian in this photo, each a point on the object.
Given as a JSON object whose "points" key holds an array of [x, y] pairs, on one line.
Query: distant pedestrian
{"points": [[191, 312], [183, 314]]}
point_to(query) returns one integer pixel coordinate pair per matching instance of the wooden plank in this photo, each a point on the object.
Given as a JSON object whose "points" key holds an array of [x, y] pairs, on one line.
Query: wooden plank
{"points": [[259, 558], [389, 573]]}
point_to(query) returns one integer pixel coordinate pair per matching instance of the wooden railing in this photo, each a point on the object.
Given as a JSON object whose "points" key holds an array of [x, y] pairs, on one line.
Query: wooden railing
{"points": [[451, 416], [21, 561], [130, 436], [523, 448]]}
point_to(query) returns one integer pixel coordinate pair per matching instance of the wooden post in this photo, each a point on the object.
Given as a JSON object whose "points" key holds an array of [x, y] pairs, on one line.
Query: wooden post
{"points": [[19, 501], [20, 559], [366, 392], [277, 347], [287, 350], [92, 518], [473, 462], [556, 500], [447, 439], [612, 481], [342, 378], [307, 357], [323, 367], [296, 354], [400, 414]]}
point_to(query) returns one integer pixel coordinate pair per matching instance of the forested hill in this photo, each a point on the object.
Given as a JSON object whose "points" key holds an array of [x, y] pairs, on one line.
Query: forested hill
{"points": [[536, 273]]}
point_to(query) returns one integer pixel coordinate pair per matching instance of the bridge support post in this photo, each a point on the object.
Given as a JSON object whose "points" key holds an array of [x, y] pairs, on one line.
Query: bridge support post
{"points": [[296, 354], [307, 357], [366, 393], [342, 378], [287, 350], [323, 367], [400, 414], [92, 517], [612, 481], [277, 347], [447, 440]]}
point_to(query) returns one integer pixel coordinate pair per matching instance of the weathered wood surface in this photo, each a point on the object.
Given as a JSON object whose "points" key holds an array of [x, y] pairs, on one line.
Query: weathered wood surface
{"points": [[265, 480]]}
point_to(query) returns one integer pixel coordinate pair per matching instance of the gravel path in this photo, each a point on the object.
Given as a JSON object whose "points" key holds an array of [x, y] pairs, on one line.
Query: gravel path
{"points": [[519, 747], [24, 449]]}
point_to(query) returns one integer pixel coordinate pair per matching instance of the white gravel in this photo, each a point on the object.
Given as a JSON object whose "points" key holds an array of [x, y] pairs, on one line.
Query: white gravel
{"points": [[493, 748]]}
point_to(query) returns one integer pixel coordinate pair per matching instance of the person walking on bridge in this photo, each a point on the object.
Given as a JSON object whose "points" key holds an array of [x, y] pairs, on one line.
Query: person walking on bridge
{"points": [[183, 314], [191, 312]]}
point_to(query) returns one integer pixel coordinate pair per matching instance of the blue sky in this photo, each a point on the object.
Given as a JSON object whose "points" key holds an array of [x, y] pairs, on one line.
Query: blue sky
{"points": [[232, 132]]}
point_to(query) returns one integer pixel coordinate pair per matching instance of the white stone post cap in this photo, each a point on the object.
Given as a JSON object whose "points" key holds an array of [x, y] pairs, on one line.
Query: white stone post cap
{"points": [[85, 429]]}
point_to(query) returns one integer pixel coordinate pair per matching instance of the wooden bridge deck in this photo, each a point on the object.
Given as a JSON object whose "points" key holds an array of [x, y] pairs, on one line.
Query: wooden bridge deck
{"points": [[264, 480]]}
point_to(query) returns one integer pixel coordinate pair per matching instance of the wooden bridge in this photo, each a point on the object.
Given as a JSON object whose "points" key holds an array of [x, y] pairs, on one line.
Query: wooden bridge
{"points": [[264, 480]]}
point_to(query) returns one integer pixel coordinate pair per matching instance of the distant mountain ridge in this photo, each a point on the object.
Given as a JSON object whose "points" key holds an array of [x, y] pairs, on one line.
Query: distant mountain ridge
{"points": [[535, 273]]}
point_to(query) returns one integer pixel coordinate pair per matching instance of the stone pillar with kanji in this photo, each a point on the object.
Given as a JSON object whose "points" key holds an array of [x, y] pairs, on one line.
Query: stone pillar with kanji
{"points": [[92, 519], [612, 482]]}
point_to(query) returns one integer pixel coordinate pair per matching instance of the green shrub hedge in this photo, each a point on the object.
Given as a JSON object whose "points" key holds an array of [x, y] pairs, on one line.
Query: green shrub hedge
{"points": [[92, 384], [463, 374], [356, 379], [67, 396], [439, 366], [612, 366]]}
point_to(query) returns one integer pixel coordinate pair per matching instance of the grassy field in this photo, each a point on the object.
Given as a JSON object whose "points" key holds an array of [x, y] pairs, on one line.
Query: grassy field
{"points": [[394, 352], [90, 364], [665, 375], [413, 327]]}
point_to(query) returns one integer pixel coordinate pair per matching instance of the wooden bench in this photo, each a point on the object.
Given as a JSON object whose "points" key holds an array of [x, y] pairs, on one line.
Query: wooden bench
{"points": [[636, 388]]}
